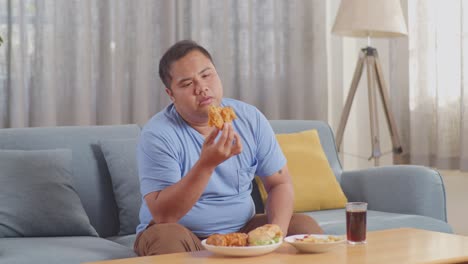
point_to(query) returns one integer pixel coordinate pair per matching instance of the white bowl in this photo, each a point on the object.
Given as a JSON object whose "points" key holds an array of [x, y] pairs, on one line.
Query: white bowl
{"points": [[246, 251], [314, 247]]}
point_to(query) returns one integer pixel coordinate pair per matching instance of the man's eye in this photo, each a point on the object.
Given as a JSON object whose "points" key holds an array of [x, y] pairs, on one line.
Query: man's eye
{"points": [[205, 76], [186, 84]]}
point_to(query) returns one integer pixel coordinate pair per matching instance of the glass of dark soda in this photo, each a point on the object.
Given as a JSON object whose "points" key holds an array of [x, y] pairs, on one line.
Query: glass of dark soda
{"points": [[356, 222]]}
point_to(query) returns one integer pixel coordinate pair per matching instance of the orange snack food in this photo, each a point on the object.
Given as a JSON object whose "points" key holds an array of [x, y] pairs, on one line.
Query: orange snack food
{"points": [[237, 239], [228, 240], [218, 115], [264, 235], [217, 240]]}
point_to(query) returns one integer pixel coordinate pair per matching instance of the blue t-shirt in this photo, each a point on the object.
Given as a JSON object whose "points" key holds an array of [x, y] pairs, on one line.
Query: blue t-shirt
{"points": [[169, 147]]}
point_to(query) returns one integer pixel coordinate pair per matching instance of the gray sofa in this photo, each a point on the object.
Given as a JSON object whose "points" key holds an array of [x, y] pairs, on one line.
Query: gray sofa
{"points": [[101, 168]]}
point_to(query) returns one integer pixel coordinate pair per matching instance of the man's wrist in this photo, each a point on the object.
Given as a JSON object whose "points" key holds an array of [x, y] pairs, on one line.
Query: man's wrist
{"points": [[204, 168]]}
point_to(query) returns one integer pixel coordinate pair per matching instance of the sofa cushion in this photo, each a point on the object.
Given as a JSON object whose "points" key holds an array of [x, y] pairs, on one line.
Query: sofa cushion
{"points": [[334, 221], [91, 178], [120, 156], [315, 185], [126, 240], [60, 250], [37, 197]]}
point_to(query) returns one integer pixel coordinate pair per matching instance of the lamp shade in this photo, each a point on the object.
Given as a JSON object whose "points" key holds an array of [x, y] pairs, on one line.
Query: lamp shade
{"points": [[370, 18]]}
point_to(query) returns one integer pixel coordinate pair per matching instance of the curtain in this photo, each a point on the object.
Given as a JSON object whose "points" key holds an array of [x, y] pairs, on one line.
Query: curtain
{"points": [[438, 81], [95, 62]]}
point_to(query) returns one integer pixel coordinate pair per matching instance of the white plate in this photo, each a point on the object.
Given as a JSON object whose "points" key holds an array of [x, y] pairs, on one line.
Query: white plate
{"points": [[311, 247], [246, 251]]}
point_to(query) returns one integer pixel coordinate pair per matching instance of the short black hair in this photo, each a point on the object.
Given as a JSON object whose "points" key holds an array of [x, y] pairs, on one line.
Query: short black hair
{"points": [[174, 53]]}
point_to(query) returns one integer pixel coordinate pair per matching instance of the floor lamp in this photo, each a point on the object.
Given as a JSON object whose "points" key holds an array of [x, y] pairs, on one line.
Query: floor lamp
{"points": [[370, 19]]}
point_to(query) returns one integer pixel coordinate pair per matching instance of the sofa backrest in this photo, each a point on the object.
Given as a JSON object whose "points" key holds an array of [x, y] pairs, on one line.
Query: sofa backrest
{"points": [[327, 138], [91, 177]]}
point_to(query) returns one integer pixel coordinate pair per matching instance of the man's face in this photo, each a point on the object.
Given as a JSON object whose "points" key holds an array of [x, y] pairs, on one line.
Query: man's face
{"points": [[195, 85]]}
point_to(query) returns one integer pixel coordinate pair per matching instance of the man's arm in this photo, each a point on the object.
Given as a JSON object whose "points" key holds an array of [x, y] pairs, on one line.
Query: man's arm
{"points": [[172, 203], [280, 202]]}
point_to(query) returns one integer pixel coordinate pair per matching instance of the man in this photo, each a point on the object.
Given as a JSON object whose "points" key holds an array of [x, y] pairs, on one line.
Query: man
{"points": [[196, 179]]}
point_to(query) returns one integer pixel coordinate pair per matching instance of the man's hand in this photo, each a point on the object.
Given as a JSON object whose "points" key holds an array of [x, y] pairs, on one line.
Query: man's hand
{"points": [[229, 144], [189, 189]]}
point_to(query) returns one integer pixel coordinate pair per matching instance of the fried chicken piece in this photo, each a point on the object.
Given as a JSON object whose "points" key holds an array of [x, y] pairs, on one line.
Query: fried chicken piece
{"points": [[218, 115], [228, 114], [217, 240], [228, 240], [214, 117], [236, 239]]}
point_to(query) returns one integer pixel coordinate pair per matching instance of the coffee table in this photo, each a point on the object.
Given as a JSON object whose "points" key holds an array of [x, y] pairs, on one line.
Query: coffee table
{"points": [[404, 245]]}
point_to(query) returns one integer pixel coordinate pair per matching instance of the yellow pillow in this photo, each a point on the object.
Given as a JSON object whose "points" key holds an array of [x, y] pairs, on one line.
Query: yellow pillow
{"points": [[315, 185]]}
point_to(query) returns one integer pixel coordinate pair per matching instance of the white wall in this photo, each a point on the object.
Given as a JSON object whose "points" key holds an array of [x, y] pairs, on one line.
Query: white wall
{"points": [[457, 212]]}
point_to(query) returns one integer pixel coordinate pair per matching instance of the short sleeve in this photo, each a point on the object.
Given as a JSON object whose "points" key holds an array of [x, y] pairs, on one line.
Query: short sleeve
{"points": [[269, 155], [158, 167]]}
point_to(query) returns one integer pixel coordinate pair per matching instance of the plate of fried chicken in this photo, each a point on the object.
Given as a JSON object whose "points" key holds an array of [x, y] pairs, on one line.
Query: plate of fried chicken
{"points": [[259, 241]]}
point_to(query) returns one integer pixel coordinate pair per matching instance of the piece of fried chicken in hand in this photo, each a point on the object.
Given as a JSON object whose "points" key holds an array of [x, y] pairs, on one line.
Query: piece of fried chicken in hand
{"points": [[218, 115], [228, 114]]}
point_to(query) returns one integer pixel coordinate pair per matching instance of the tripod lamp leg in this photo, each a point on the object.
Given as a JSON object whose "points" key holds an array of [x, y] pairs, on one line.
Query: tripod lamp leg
{"points": [[373, 114], [349, 100]]}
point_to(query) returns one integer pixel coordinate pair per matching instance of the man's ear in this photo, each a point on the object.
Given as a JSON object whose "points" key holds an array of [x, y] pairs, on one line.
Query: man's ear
{"points": [[171, 95]]}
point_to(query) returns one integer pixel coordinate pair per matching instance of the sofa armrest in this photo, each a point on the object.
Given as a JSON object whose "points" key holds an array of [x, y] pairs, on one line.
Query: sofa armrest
{"points": [[403, 189]]}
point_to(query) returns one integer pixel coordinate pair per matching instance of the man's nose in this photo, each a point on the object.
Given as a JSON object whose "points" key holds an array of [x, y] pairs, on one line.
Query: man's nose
{"points": [[200, 87]]}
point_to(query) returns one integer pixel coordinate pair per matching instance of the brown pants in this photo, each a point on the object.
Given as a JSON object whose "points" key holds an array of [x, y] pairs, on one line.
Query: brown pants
{"points": [[159, 239]]}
